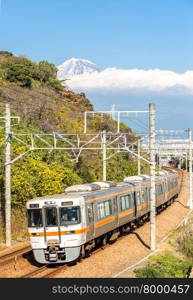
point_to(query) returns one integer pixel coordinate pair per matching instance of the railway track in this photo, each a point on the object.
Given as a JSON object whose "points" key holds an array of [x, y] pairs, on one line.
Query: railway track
{"points": [[35, 272], [14, 256], [41, 272]]}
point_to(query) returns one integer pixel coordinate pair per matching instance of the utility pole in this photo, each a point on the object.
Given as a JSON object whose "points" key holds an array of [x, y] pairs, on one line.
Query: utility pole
{"points": [[104, 156], [118, 122], [8, 175], [159, 161], [138, 157], [152, 176], [85, 122], [190, 167], [113, 111], [186, 165]]}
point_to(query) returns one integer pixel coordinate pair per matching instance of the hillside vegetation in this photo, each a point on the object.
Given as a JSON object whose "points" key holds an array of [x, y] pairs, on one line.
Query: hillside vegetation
{"points": [[44, 105]]}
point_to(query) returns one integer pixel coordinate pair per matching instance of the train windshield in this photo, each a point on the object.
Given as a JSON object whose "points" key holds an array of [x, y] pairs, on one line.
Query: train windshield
{"points": [[35, 218], [51, 216], [69, 215]]}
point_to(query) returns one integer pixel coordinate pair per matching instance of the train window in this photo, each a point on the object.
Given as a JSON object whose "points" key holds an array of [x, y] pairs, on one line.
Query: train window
{"points": [[35, 218], [170, 185], [159, 190], [51, 216], [143, 195], [125, 202], [69, 215], [166, 187], [104, 209], [149, 193]]}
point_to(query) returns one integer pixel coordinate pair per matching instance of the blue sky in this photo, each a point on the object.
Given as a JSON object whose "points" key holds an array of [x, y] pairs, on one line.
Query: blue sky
{"points": [[126, 34], [121, 33]]}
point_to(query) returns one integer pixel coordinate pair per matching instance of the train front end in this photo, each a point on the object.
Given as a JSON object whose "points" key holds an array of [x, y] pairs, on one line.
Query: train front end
{"points": [[56, 229]]}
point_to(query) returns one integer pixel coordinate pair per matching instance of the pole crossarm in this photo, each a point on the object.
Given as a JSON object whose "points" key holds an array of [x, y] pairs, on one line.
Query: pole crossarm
{"points": [[18, 157], [137, 155], [75, 142], [112, 113]]}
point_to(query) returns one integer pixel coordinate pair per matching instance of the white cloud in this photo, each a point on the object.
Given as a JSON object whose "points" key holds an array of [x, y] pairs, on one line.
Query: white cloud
{"points": [[134, 80]]}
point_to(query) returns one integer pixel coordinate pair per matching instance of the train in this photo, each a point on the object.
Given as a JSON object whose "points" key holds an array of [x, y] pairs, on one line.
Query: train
{"points": [[64, 227]]}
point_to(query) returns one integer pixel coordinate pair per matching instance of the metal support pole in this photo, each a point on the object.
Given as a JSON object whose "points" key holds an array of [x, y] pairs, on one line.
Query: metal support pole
{"points": [[138, 157], [186, 163], [104, 156], [118, 122], [113, 111], [7, 176], [190, 168], [159, 158], [152, 176], [85, 122], [160, 161]]}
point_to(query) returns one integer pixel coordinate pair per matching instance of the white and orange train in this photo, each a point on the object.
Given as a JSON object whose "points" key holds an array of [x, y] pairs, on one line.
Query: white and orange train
{"points": [[66, 226]]}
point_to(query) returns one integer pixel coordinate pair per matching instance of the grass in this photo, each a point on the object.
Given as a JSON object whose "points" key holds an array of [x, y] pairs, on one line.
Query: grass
{"points": [[19, 225], [184, 240]]}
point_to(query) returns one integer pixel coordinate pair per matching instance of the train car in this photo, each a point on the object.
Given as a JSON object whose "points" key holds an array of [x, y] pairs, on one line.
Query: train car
{"points": [[64, 227]]}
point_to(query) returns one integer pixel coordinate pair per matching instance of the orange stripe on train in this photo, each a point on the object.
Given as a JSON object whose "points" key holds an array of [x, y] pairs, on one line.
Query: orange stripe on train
{"points": [[78, 231], [125, 213], [105, 221]]}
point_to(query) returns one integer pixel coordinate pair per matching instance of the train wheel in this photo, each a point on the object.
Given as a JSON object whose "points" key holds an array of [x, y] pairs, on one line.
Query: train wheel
{"points": [[83, 254], [104, 241]]}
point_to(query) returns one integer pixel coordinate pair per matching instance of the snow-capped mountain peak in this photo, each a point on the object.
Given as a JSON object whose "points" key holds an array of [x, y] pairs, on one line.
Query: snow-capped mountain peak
{"points": [[76, 66]]}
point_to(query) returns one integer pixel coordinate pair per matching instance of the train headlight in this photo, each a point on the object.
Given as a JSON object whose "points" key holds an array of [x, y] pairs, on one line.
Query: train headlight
{"points": [[35, 234]]}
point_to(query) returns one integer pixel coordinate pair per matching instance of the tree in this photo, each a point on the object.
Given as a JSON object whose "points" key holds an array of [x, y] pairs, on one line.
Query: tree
{"points": [[5, 53], [46, 71], [19, 73]]}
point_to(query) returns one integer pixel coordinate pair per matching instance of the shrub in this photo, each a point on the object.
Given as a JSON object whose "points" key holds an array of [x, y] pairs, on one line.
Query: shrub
{"points": [[164, 266]]}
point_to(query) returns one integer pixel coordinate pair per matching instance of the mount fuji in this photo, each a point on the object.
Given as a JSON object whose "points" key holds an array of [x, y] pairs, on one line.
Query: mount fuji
{"points": [[76, 66]]}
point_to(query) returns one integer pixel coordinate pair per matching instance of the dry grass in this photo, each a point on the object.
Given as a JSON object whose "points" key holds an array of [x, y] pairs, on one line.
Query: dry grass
{"points": [[19, 226]]}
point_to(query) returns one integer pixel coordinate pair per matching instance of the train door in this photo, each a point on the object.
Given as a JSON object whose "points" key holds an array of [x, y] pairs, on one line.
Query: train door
{"points": [[51, 225], [144, 200], [90, 210], [135, 204], [115, 210]]}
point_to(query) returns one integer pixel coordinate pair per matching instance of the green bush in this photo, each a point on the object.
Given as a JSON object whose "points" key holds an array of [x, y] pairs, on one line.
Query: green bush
{"points": [[5, 53], [26, 73], [164, 266]]}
